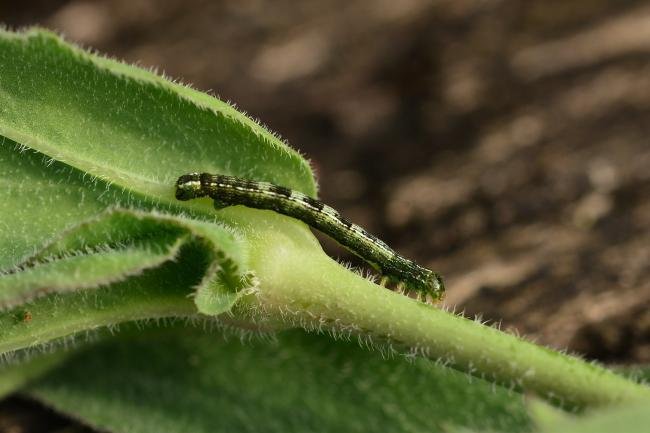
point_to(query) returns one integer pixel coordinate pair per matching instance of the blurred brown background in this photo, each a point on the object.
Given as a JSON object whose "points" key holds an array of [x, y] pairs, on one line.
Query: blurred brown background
{"points": [[503, 143]]}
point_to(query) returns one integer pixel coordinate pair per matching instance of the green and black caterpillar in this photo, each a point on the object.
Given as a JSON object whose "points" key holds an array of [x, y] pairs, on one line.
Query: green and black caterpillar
{"points": [[230, 191]]}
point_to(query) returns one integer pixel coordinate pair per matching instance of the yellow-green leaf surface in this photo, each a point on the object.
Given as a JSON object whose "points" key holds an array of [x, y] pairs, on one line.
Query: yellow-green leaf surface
{"points": [[127, 126]]}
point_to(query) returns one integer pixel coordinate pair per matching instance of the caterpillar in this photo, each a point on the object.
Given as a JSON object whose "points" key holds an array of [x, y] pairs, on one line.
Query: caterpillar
{"points": [[230, 191]]}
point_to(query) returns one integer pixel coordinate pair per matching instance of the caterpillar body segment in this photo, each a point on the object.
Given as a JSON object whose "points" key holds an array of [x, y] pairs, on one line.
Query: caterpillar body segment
{"points": [[230, 191]]}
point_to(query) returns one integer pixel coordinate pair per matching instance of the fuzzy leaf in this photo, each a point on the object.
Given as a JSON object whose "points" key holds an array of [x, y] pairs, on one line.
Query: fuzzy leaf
{"points": [[186, 381], [127, 126], [57, 319], [15, 375], [119, 244]]}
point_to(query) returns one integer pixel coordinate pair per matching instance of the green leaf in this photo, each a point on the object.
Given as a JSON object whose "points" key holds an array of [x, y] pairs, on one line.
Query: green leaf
{"points": [[90, 269], [121, 243], [129, 132], [47, 273], [187, 381], [156, 293], [15, 374], [128, 126]]}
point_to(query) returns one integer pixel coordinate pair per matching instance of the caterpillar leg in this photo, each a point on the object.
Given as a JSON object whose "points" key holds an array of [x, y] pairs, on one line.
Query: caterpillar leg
{"points": [[383, 281]]}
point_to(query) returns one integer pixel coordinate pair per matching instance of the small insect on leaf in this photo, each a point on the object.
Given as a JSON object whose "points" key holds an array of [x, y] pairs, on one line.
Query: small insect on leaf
{"points": [[230, 191]]}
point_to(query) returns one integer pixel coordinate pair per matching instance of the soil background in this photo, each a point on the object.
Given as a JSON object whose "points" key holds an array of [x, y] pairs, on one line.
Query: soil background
{"points": [[503, 143]]}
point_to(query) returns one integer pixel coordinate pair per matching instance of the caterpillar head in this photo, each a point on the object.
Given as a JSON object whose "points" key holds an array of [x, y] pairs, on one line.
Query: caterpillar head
{"points": [[426, 283], [188, 186], [436, 286]]}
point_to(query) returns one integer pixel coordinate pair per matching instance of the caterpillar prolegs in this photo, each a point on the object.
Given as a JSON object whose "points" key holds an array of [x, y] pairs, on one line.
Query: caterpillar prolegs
{"points": [[230, 191]]}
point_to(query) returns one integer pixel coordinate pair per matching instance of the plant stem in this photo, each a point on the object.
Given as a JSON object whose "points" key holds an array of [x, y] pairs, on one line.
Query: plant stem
{"points": [[307, 287]]}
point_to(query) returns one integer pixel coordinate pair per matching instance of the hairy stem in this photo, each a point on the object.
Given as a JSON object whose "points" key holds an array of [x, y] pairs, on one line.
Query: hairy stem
{"points": [[309, 288]]}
